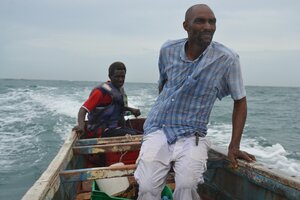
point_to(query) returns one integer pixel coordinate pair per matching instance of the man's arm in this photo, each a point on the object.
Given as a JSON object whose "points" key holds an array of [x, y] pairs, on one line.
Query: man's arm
{"points": [[239, 116], [80, 119], [161, 86]]}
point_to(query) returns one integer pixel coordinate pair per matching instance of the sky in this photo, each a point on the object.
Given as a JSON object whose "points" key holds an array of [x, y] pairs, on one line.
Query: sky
{"points": [[79, 39]]}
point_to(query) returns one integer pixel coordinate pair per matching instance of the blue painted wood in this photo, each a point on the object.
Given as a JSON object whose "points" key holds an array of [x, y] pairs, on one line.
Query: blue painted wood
{"points": [[95, 149], [244, 183]]}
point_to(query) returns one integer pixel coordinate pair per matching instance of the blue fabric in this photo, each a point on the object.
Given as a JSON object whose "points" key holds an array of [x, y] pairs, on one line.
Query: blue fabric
{"points": [[185, 103]]}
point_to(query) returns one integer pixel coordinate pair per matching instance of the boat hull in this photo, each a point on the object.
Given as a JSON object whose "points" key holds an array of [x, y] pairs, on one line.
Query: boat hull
{"points": [[70, 175]]}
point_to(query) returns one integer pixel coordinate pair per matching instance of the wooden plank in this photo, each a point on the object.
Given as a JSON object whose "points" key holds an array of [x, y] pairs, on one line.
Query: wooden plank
{"points": [[116, 147], [84, 196], [269, 183], [97, 173], [264, 182], [89, 174], [109, 140]]}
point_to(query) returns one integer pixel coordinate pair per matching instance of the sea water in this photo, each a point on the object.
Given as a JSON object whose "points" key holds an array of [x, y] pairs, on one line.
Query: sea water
{"points": [[36, 117]]}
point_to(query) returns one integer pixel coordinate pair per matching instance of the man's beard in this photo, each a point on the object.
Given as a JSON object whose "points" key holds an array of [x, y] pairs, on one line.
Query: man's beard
{"points": [[203, 39]]}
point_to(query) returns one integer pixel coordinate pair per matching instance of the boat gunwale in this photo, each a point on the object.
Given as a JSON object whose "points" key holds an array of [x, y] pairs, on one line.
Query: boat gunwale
{"points": [[48, 183], [259, 168]]}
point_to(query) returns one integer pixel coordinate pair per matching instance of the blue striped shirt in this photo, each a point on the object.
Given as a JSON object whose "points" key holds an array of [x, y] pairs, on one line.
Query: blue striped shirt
{"points": [[185, 103]]}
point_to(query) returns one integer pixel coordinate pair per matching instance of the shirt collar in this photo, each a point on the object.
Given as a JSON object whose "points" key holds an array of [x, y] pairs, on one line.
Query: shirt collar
{"points": [[183, 56]]}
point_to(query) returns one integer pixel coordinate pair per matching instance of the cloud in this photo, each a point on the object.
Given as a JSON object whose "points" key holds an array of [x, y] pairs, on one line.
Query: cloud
{"points": [[86, 36]]}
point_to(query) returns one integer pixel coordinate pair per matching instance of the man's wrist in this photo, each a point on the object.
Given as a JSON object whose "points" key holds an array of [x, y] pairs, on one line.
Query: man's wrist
{"points": [[234, 147]]}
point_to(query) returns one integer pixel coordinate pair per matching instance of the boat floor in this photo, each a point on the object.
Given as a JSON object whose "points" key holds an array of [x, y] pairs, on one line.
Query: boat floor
{"points": [[84, 192]]}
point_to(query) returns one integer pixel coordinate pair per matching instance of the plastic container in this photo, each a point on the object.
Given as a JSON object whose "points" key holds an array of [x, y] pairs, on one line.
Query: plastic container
{"points": [[112, 186], [114, 157], [97, 194]]}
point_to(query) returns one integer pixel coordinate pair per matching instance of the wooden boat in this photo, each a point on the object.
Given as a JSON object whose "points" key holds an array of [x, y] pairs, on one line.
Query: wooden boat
{"points": [[69, 176]]}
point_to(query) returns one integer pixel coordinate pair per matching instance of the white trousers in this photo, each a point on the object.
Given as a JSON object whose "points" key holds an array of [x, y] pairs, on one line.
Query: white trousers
{"points": [[156, 159]]}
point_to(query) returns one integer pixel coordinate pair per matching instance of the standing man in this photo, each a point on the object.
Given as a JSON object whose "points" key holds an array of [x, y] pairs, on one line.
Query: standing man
{"points": [[105, 107], [193, 73]]}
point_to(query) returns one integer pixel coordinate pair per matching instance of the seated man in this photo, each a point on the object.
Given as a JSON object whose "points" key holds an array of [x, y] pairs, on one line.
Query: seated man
{"points": [[105, 107]]}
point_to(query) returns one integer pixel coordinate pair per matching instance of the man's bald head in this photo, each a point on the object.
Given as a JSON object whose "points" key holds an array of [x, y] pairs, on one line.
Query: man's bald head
{"points": [[198, 7]]}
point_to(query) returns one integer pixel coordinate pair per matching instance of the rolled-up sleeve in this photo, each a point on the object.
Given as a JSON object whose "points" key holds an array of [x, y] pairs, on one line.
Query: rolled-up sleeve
{"points": [[235, 80]]}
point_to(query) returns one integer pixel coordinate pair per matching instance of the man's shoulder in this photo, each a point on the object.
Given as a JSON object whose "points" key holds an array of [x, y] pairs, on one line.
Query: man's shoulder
{"points": [[222, 49], [173, 43], [98, 91], [101, 89], [104, 87]]}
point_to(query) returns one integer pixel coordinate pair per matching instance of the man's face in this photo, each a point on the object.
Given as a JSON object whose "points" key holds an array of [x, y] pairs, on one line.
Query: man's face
{"points": [[118, 78], [201, 26]]}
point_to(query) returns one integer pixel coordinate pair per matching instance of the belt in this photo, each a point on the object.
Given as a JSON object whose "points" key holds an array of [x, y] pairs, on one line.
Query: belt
{"points": [[197, 135]]}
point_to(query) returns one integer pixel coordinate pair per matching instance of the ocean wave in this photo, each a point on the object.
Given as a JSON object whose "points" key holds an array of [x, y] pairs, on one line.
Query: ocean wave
{"points": [[272, 156], [37, 116]]}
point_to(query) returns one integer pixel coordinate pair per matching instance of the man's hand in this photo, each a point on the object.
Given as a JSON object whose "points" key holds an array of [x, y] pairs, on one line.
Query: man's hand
{"points": [[234, 154], [135, 112], [78, 129]]}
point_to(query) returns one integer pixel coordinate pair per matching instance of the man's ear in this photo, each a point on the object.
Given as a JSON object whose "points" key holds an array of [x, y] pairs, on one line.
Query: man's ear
{"points": [[185, 25]]}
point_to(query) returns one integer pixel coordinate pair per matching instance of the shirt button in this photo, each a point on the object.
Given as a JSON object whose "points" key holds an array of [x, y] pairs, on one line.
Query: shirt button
{"points": [[163, 125], [172, 99]]}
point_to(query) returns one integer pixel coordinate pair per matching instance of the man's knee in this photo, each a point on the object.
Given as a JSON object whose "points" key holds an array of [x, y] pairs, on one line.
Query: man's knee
{"points": [[147, 186], [188, 182]]}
